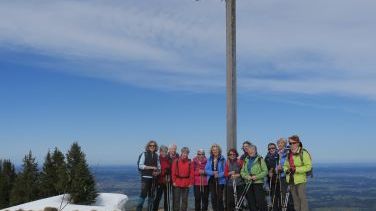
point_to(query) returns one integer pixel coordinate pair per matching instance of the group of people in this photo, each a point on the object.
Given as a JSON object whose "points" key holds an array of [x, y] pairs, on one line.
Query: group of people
{"points": [[234, 182]]}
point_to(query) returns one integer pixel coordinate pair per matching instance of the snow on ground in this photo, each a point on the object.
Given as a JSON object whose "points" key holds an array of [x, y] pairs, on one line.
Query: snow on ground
{"points": [[105, 202]]}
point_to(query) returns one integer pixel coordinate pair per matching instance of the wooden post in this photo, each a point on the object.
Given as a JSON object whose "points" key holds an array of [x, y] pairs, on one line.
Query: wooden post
{"points": [[231, 73]]}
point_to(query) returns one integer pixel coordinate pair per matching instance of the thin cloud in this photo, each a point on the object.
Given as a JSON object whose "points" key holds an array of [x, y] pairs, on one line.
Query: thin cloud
{"points": [[283, 46]]}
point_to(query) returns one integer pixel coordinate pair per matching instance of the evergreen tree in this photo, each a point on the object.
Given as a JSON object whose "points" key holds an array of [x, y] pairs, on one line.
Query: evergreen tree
{"points": [[82, 187], [7, 178], [3, 203], [48, 178], [60, 165], [54, 178], [26, 186]]}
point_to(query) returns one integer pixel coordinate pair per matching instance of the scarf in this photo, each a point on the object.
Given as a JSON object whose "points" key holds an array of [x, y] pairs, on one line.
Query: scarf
{"points": [[291, 160]]}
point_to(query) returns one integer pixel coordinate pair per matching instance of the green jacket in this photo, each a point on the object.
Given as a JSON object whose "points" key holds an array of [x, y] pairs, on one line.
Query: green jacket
{"points": [[301, 167], [258, 169]]}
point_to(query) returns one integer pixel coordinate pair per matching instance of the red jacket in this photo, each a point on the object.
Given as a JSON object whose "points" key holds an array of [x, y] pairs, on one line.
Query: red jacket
{"points": [[200, 165], [239, 162], [182, 173], [165, 166]]}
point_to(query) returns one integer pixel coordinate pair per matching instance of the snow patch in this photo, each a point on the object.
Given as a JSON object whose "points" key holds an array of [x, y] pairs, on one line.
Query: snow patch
{"points": [[104, 202]]}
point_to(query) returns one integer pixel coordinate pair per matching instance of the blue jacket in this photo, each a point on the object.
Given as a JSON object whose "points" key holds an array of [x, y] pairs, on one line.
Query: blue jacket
{"points": [[221, 169], [282, 159]]}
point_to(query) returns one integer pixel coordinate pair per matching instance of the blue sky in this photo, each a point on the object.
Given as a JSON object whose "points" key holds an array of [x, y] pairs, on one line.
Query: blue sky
{"points": [[114, 75]]}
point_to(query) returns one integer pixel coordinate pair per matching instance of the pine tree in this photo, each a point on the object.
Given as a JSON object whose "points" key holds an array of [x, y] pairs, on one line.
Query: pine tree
{"points": [[7, 178], [48, 178], [82, 187], [54, 175], [26, 186], [61, 171], [3, 203]]}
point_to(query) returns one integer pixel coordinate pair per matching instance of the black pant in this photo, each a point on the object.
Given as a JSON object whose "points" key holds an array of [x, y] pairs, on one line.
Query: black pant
{"points": [[256, 198], [216, 193], [230, 199], [201, 197], [148, 187], [162, 188], [181, 199]]}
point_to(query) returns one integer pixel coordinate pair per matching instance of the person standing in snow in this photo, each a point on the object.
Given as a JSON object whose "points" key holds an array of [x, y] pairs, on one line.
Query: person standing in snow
{"points": [[183, 178], [150, 167]]}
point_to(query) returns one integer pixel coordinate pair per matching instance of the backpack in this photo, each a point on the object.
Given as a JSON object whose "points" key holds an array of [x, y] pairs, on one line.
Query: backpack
{"points": [[310, 172], [138, 162]]}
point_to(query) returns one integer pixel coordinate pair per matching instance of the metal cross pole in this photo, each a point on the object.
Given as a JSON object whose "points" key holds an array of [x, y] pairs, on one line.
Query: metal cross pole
{"points": [[231, 73]]}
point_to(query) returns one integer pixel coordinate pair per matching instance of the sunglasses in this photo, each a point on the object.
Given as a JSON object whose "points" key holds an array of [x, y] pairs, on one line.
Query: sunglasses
{"points": [[291, 143], [199, 154], [151, 145], [271, 148]]}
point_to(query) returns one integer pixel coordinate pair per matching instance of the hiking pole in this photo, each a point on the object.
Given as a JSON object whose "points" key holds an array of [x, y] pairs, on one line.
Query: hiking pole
{"points": [[156, 187], [166, 199], [269, 198], [201, 192], [242, 196], [167, 192], [287, 195], [226, 194], [170, 193], [170, 190], [280, 190], [234, 190], [286, 198], [152, 195], [275, 190], [216, 192]]}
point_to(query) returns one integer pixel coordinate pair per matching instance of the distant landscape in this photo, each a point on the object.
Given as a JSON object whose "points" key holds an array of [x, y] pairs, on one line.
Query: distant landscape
{"points": [[343, 187]]}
